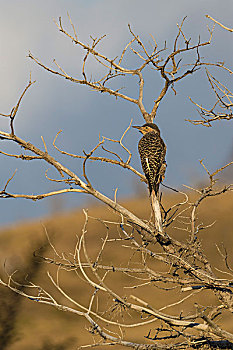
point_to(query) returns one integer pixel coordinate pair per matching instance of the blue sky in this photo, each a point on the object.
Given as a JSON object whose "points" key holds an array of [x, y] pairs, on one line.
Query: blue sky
{"points": [[53, 104]]}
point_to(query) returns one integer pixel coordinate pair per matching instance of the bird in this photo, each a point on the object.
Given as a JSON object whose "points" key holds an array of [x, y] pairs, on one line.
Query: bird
{"points": [[152, 151]]}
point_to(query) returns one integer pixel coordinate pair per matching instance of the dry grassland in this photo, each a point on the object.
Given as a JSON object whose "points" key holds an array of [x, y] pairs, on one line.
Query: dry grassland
{"points": [[42, 327]]}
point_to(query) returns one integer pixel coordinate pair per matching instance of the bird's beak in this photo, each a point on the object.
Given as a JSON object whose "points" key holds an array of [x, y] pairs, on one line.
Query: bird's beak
{"points": [[136, 127]]}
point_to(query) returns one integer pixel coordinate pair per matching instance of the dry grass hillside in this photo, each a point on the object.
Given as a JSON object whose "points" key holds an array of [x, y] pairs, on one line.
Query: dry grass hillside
{"points": [[40, 327]]}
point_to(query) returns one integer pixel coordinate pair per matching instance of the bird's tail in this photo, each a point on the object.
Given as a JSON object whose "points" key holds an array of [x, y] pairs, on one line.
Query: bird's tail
{"points": [[160, 176], [156, 188], [156, 210]]}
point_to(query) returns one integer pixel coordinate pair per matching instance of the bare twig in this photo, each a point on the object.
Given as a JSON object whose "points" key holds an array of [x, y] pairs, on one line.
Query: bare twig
{"points": [[221, 25], [14, 110]]}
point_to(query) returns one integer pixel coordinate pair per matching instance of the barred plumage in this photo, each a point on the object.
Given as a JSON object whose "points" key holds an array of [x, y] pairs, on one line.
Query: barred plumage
{"points": [[152, 152]]}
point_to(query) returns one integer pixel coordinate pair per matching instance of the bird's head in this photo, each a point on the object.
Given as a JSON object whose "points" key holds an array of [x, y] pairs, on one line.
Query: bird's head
{"points": [[148, 127]]}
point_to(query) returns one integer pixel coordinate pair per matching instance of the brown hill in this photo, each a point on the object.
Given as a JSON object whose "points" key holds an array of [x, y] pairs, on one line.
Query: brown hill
{"points": [[40, 327]]}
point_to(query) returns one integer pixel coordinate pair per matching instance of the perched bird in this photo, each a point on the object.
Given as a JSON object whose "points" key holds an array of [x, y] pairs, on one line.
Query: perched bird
{"points": [[152, 152]]}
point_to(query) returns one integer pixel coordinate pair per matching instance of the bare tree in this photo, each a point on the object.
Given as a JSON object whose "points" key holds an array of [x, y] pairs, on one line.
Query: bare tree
{"points": [[222, 108], [161, 260]]}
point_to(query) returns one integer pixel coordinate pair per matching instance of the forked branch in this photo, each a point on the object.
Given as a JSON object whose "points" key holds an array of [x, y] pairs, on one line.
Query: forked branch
{"points": [[169, 68], [221, 109]]}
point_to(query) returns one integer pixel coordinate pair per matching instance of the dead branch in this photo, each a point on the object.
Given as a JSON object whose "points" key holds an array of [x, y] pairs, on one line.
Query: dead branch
{"points": [[221, 109], [14, 110], [123, 164], [169, 69], [151, 258], [63, 170], [221, 25]]}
